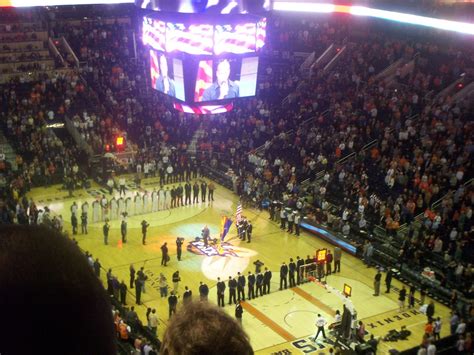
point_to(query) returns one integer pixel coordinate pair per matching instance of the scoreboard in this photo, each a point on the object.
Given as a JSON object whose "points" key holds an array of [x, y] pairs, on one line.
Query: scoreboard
{"points": [[207, 6], [203, 61]]}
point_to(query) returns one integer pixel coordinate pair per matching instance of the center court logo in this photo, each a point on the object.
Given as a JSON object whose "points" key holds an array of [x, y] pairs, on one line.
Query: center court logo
{"points": [[214, 249]]}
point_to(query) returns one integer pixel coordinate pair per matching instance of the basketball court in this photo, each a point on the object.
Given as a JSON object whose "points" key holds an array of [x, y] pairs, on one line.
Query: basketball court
{"points": [[282, 322]]}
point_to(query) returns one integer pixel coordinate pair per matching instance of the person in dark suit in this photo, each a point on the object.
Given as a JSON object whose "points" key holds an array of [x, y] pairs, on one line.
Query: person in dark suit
{"points": [[203, 291], [145, 226], [203, 191], [195, 192], [267, 277], [123, 231], [179, 195], [337, 259], [97, 266], [164, 254], [172, 303], [283, 276], [187, 295], [388, 280], [123, 293], [291, 272], [142, 278], [251, 285], [240, 287], [377, 278], [223, 88], [205, 235], [132, 276], [238, 312], [84, 222], [258, 266], [307, 267], [329, 259], [211, 187], [179, 246], [138, 291], [232, 290], [249, 231], [106, 229], [430, 310], [299, 270], [220, 292], [187, 193], [164, 83], [74, 223], [259, 284]]}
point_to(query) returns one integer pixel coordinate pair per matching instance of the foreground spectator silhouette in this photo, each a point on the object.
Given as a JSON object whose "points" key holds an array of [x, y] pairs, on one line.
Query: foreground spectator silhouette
{"points": [[51, 299], [202, 328]]}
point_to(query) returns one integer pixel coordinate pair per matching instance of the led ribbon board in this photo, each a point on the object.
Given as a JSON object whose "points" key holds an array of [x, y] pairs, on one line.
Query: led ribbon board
{"points": [[292, 6], [448, 25]]}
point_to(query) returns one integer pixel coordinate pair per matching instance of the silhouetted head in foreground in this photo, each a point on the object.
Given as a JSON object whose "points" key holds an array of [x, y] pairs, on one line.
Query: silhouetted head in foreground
{"points": [[51, 301], [201, 328]]}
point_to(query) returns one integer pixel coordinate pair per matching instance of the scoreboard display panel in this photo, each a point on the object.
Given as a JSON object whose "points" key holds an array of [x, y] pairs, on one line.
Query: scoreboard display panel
{"points": [[202, 61], [211, 7], [204, 38]]}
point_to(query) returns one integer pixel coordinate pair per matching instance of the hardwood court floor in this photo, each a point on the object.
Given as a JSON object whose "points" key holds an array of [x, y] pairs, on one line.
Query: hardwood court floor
{"points": [[283, 320]]}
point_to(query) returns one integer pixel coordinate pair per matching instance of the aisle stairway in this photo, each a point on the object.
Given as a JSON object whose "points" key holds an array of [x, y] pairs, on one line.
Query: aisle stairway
{"points": [[192, 148]]}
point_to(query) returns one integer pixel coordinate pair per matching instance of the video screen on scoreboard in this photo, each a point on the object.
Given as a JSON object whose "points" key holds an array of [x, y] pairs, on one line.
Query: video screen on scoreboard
{"points": [[207, 6], [154, 33], [226, 78], [167, 75], [192, 39], [236, 39]]}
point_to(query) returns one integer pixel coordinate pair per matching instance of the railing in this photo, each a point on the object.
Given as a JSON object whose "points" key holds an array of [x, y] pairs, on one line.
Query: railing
{"points": [[68, 48], [77, 137], [464, 92], [307, 62], [334, 59], [323, 56], [55, 51], [389, 70], [448, 89]]}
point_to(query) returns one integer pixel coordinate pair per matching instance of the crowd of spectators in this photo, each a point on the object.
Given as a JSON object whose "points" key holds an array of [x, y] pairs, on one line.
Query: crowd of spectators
{"points": [[412, 164]]}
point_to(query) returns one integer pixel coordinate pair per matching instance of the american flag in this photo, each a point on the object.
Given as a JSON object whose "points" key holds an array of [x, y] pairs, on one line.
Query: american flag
{"points": [[238, 214], [154, 68], [235, 38], [193, 39], [204, 109], [261, 33], [203, 79], [154, 33]]}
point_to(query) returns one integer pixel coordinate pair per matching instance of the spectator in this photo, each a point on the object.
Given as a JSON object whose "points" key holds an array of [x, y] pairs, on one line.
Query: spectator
{"points": [[205, 326], [79, 289]]}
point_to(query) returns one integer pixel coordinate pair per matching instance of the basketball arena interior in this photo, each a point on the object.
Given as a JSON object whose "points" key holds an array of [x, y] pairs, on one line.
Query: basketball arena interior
{"points": [[236, 177]]}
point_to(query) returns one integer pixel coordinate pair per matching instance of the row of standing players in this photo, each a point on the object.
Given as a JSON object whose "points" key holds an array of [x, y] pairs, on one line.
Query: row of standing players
{"points": [[144, 227], [175, 197], [258, 283], [296, 272]]}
